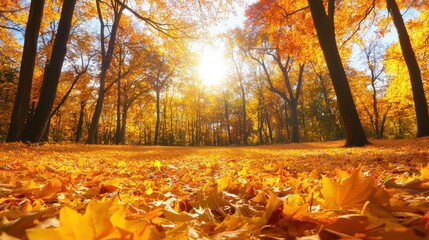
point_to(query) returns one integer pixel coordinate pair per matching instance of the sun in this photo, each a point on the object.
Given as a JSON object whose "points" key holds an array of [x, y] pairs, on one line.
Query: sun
{"points": [[212, 66]]}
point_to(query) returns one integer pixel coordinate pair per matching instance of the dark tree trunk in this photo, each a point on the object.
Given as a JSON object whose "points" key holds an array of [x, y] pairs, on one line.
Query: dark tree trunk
{"points": [[80, 122], [58, 107], [22, 98], [295, 123], [355, 135], [228, 125], [124, 123], [36, 128], [105, 65], [270, 131], [419, 97]]}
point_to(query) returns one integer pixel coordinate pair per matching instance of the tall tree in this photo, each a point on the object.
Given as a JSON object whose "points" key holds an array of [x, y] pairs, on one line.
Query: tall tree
{"points": [[419, 97], [239, 72], [376, 70], [324, 24], [106, 59], [36, 127], [22, 98]]}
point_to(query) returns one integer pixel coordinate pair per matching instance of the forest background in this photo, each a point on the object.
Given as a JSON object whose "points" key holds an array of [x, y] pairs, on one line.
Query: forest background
{"points": [[133, 73]]}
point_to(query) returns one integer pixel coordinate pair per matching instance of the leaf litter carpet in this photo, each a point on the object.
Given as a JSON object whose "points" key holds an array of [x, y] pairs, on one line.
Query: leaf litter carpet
{"points": [[293, 191]]}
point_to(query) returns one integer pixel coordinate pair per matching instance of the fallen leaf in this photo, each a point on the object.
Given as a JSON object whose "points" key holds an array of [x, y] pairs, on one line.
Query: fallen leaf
{"points": [[347, 193]]}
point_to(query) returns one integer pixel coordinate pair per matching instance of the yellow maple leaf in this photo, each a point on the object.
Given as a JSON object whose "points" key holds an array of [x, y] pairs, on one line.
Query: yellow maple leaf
{"points": [[121, 164], [351, 192], [295, 207], [135, 226], [157, 164], [424, 171], [223, 183], [273, 205], [52, 186], [95, 223], [243, 171], [341, 174]]}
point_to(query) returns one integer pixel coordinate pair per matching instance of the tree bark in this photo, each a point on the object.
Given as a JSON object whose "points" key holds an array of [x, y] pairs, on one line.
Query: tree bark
{"points": [[158, 116], [105, 65], [124, 123], [80, 122], [419, 97], [243, 109], [22, 98], [118, 115], [243, 100], [355, 135], [36, 128]]}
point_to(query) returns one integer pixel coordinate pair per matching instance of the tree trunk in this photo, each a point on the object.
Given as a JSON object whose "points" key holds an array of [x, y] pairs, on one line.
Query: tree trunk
{"points": [[243, 109], [294, 120], [355, 135], [22, 98], [105, 65], [419, 97], [118, 114], [158, 116], [124, 124], [80, 122], [37, 126]]}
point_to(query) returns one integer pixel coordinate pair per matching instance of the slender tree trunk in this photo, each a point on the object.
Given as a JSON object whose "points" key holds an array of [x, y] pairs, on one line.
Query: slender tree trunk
{"points": [[22, 98], [419, 97], [171, 130], [164, 122], [243, 109], [80, 122], [294, 120], [355, 135], [260, 127], [105, 65], [158, 118], [37, 126], [124, 124], [243, 100], [118, 114], [270, 131], [375, 109]]}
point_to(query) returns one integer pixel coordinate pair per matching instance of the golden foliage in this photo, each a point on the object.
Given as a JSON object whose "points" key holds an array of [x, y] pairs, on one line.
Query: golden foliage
{"points": [[316, 190]]}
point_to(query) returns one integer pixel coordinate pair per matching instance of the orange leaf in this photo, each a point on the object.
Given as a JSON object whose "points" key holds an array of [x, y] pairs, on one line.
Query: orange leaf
{"points": [[352, 192]]}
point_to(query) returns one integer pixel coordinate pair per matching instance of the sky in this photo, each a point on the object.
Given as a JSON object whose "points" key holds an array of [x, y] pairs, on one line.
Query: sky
{"points": [[213, 66]]}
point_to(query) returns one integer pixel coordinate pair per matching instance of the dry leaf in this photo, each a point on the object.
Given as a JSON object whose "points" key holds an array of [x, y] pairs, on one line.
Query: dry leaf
{"points": [[347, 193]]}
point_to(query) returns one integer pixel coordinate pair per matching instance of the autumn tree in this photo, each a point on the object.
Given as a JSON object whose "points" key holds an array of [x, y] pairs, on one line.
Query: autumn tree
{"points": [[419, 97], [376, 69], [107, 52], [237, 59], [22, 97], [159, 80], [132, 64], [324, 25], [36, 127]]}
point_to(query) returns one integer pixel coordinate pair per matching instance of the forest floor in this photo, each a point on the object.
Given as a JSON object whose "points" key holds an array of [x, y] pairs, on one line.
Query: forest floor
{"points": [[294, 191]]}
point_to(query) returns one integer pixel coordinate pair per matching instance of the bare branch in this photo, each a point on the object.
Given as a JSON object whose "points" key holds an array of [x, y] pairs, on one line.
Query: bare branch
{"points": [[287, 14], [164, 28], [367, 12]]}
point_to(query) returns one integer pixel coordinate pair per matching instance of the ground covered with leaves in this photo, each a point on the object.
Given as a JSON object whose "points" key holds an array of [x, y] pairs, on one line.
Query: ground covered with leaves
{"points": [[294, 191]]}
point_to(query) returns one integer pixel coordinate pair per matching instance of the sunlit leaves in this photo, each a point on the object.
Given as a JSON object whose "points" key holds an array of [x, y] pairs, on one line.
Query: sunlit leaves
{"points": [[351, 192], [105, 192]]}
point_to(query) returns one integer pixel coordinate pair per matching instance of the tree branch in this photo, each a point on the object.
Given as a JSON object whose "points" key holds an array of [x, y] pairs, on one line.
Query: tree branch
{"points": [[164, 28]]}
